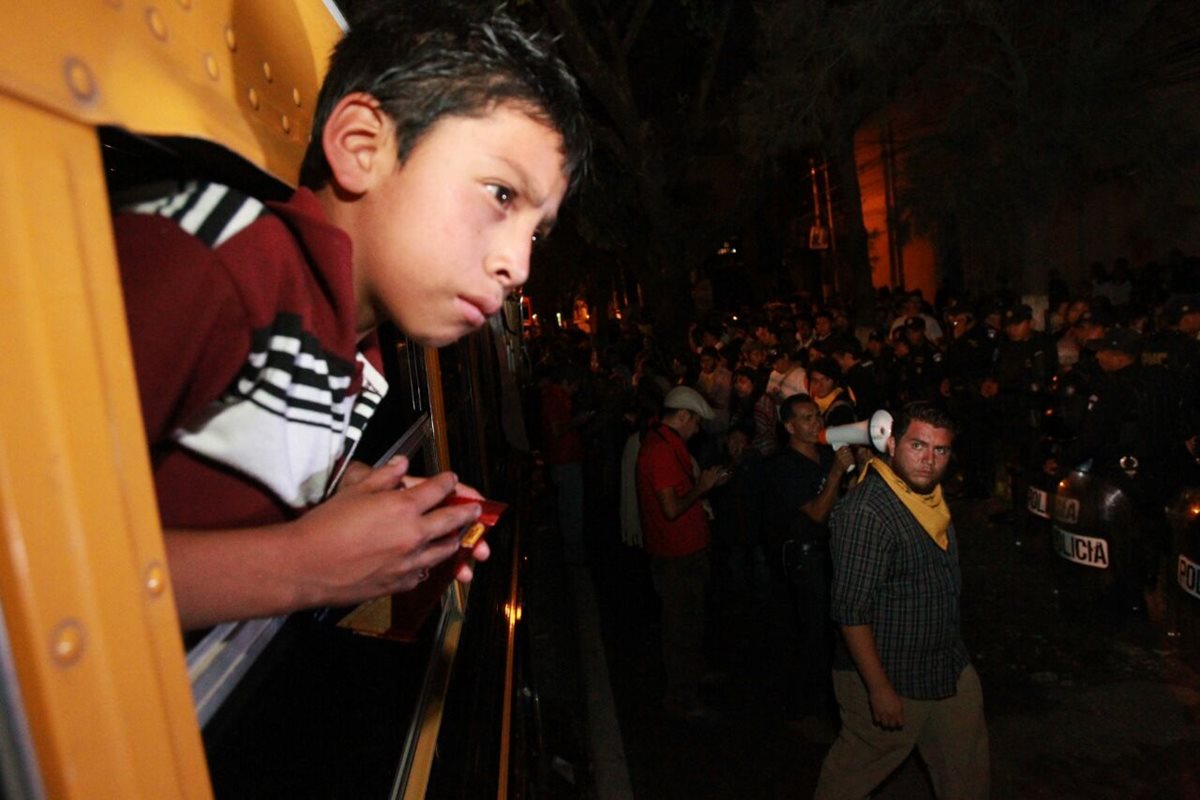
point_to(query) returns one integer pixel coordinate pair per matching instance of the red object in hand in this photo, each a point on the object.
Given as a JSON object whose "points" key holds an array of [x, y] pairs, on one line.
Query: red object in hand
{"points": [[410, 609], [492, 509]]}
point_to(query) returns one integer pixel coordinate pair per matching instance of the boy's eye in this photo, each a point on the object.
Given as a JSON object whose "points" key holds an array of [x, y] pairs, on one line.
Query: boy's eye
{"points": [[504, 195]]}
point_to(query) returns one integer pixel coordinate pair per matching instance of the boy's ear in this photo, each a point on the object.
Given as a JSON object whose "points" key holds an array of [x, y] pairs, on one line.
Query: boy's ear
{"points": [[358, 145]]}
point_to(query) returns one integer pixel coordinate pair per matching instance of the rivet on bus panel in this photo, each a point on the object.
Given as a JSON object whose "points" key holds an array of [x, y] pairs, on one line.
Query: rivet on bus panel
{"points": [[285, 123], [210, 66], [156, 579], [66, 642], [253, 97], [158, 26], [296, 97], [267, 71], [230, 38], [79, 79]]}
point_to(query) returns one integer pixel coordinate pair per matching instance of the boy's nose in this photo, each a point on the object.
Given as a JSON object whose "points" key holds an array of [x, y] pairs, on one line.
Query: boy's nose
{"points": [[509, 262]]}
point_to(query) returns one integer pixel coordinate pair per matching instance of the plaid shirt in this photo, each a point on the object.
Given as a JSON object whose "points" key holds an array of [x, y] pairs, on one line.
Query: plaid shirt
{"points": [[889, 573]]}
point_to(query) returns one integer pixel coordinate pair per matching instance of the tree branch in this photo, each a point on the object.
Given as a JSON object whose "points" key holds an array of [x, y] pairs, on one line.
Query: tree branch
{"points": [[635, 26], [704, 84]]}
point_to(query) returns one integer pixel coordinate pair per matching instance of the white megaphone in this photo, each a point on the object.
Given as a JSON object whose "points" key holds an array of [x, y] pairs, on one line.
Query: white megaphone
{"points": [[874, 431]]}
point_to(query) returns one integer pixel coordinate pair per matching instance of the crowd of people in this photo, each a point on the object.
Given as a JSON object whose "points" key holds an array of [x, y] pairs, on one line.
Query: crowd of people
{"points": [[715, 455], [1030, 392]]}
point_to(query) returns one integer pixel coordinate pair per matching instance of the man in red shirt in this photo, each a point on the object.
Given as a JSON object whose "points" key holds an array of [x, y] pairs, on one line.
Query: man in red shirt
{"points": [[563, 451], [675, 529]]}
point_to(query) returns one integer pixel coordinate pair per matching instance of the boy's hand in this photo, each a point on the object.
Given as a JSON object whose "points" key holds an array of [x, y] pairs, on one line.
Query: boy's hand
{"points": [[481, 551], [460, 489], [356, 472], [376, 537]]}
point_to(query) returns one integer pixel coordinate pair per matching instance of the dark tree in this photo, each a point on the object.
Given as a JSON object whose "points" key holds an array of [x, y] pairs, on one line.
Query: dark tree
{"points": [[1010, 116], [1040, 107], [666, 185], [824, 67]]}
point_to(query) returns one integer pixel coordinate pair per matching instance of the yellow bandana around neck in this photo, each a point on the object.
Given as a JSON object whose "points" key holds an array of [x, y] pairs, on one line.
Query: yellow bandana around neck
{"points": [[823, 403], [931, 510]]}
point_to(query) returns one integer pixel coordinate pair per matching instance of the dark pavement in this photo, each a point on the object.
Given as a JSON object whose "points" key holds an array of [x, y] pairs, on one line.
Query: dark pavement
{"points": [[1077, 708]]}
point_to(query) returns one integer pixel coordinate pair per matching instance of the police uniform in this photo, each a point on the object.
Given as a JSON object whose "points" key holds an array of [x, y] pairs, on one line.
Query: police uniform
{"points": [[1178, 353], [1024, 370], [970, 358], [919, 374], [1128, 438]]}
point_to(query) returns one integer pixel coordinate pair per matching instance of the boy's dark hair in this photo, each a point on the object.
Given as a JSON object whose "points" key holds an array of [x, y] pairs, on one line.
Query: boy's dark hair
{"points": [[921, 411], [427, 60]]}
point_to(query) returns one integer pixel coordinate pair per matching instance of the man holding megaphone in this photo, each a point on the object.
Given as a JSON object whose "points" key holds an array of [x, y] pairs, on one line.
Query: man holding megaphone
{"points": [[803, 482], [902, 675]]}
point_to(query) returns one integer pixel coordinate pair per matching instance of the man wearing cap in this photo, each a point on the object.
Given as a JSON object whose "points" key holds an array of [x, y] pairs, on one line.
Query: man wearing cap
{"points": [[1117, 400], [970, 359], [675, 530], [1175, 348], [1130, 435], [920, 370], [914, 307], [859, 376], [1025, 367]]}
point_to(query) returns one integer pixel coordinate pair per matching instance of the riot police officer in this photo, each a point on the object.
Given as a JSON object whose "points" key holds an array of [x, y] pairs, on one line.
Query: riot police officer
{"points": [[970, 358], [920, 368], [1175, 348], [1025, 365], [1130, 437]]}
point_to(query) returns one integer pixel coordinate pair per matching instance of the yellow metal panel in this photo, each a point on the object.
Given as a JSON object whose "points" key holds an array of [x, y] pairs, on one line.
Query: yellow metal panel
{"points": [[242, 73], [437, 408], [83, 583], [422, 747]]}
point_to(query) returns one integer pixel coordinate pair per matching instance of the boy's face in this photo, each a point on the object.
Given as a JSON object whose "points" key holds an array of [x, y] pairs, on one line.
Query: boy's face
{"points": [[440, 240]]}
